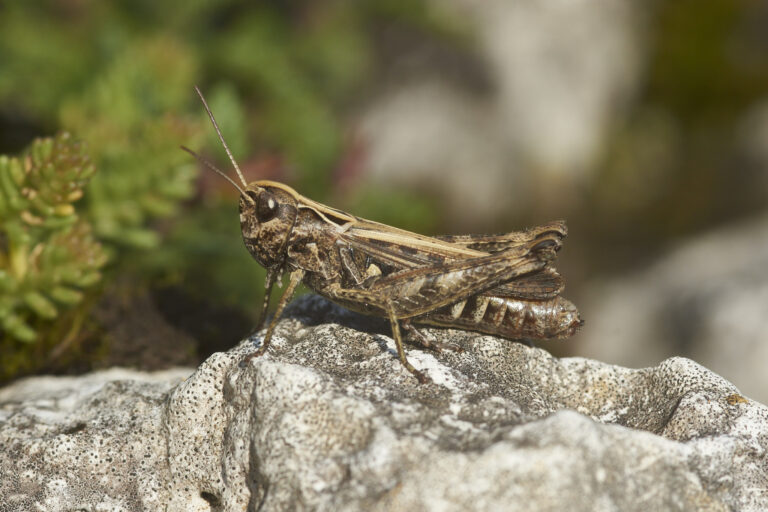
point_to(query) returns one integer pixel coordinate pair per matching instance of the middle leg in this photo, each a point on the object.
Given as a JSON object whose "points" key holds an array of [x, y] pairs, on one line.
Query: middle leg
{"points": [[426, 341], [423, 379]]}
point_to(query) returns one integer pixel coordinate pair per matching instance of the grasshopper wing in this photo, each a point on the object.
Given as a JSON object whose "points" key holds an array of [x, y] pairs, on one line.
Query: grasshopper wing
{"points": [[415, 291], [542, 285], [505, 241]]}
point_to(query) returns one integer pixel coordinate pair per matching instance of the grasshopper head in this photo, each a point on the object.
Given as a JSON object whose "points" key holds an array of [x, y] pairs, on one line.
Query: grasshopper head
{"points": [[267, 216], [268, 210]]}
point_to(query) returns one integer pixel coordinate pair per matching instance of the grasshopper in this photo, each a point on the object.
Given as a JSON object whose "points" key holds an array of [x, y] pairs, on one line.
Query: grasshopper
{"points": [[500, 285]]}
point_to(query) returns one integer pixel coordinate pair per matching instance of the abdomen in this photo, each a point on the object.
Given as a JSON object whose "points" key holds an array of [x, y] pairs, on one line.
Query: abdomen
{"points": [[508, 317]]}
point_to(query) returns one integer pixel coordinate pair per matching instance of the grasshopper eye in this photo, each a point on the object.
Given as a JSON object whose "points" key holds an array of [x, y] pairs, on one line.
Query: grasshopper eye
{"points": [[266, 207]]}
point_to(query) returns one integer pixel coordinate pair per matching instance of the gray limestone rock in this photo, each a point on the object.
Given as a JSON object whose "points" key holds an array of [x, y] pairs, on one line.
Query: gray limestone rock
{"points": [[329, 420], [706, 299]]}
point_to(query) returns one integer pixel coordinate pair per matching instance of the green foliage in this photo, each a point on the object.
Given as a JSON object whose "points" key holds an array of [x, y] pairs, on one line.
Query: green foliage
{"points": [[205, 252], [705, 68], [119, 75], [47, 253], [400, 208], [127, 115], [270, 56]]}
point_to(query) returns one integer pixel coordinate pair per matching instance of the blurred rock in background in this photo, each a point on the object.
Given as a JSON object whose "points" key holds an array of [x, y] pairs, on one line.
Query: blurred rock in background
{"points": [[557, 77], [707, 298]]}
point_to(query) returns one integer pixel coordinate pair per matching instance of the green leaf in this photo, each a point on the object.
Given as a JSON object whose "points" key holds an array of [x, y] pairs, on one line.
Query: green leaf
{"points": [[17, 328], [66, 295], [40, 305]]}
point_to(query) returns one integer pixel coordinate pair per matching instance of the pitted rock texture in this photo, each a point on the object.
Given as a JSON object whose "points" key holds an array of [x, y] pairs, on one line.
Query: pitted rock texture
{"points": [[329, 420]]}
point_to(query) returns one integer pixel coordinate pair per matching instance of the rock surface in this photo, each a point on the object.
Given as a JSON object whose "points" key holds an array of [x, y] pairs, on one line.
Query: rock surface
{"points": [[329, 420], [706, 299]]}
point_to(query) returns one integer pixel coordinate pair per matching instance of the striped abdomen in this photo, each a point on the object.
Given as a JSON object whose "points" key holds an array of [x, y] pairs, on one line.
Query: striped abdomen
{"points": [[508, 317]]}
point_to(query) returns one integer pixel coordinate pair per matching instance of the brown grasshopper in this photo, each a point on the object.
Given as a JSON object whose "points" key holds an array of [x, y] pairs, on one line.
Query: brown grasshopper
{"points": [[495, 284]]}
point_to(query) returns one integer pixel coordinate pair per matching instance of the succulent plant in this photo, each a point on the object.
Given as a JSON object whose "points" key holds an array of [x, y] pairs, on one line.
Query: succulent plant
{"points": [[48, 256]]}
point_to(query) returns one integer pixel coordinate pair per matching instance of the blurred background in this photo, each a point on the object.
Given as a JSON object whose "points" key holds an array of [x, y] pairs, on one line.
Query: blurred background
{"points": [[644, 124]]}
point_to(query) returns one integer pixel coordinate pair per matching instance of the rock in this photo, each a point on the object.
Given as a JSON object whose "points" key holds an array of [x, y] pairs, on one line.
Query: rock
{"points": [[706, 299], [555, 80], [329, 420], [558, 114], [431, 137]]}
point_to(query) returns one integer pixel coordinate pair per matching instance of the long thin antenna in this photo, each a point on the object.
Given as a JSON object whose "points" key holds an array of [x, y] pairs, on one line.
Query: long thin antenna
{"points": [[221, 137], [216, 169]]}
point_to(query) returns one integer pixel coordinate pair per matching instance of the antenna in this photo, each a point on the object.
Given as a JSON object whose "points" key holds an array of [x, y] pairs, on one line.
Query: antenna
{"points": [[221, 138], [216, 169]]}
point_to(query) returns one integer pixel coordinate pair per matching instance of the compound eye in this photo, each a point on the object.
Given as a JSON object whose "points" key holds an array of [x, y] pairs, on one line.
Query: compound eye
{"points": [[266, 207]]}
